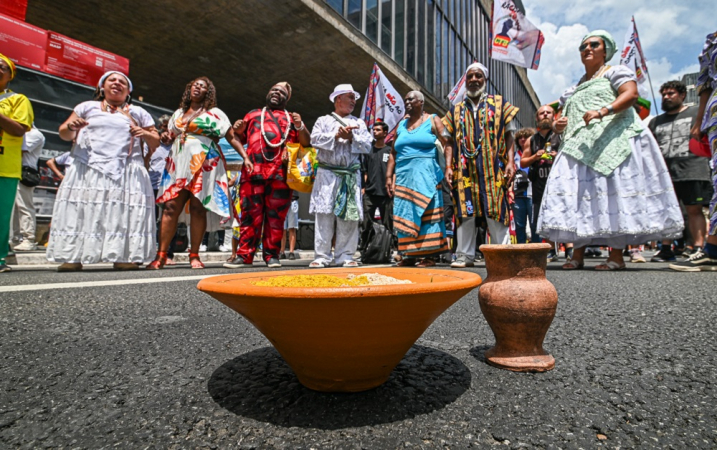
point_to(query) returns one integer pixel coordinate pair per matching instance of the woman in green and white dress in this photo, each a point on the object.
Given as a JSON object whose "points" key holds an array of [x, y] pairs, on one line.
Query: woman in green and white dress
{"points": [[609, 185]]}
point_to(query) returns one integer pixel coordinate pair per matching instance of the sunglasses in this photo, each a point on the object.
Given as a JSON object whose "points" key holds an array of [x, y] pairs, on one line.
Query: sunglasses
{"points": [[593, 45]]}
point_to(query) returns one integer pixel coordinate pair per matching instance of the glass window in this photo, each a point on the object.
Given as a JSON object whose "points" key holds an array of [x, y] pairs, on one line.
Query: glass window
{"points": [[398, 36], [421, 41], [446, 57], [386, 26], [439, 43], [452, 59], [354, 13], [338, 5], [430, 47], [411, 37], [372, 20]]}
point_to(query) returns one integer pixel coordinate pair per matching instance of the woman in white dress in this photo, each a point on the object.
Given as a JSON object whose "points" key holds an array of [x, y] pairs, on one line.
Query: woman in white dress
{"points": [[609, 185], [104, 209]]}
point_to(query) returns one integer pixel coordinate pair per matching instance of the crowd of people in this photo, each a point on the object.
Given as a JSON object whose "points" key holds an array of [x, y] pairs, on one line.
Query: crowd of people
{"points": [[590, 174]]}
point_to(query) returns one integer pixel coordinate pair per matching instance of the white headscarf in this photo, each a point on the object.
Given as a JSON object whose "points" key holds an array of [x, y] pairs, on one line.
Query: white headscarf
{"points": [[477, 65], [460, 87]]}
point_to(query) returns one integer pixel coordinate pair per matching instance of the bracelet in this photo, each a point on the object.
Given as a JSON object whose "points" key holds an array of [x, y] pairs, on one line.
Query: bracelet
{"points": [[599, 111], [302, 126], [610, 109], [69, 127]]}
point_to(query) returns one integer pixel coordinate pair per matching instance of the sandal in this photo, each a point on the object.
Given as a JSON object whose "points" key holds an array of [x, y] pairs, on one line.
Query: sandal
{"points": [[407, 262], [69, 267], [573, 264], [159, 261], [608, 266], [426, 262], [351, 264], [317, 265], [125, 266], [195, 262]]}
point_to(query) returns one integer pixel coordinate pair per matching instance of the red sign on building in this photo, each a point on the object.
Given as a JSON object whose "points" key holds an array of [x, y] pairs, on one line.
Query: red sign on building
{"points": [[14, 8], [77, 61], [23, 43]]}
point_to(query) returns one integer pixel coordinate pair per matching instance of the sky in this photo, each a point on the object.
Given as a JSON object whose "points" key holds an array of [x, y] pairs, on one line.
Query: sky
{"points": [[672, 34]]}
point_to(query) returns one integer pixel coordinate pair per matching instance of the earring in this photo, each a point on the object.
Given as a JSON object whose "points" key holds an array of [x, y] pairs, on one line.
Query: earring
{"points": [[102, 92]]}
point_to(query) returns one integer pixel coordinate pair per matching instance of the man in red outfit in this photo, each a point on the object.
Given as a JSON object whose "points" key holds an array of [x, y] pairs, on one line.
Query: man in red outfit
{"points": [[265, 196]]}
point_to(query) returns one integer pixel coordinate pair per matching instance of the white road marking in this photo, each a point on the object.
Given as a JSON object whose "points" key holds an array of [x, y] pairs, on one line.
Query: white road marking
{"points": [[53, 286]]}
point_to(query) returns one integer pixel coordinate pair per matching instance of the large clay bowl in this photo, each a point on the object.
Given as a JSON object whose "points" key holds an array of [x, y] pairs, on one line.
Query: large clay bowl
{"points": [[343, 339]]}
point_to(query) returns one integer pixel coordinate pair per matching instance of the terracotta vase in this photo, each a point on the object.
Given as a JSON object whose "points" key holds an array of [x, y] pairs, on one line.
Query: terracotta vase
{"points": [[343, 339], [519, 304]]}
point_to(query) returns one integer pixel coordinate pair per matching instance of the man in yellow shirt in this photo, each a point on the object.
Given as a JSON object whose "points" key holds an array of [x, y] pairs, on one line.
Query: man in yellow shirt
{"points": [[16, 118]]}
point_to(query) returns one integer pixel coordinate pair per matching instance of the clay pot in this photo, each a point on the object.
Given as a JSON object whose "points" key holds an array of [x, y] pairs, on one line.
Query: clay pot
{"points": [[343, 339], [519, 304]]}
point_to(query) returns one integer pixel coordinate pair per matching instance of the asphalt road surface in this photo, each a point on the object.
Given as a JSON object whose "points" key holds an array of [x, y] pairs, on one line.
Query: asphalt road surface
{"points": [[102, 359]]}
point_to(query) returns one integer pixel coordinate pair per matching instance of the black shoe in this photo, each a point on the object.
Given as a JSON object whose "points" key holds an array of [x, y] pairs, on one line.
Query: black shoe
{"points": [[690, 251], [697, 262], [292, 256], [552, 256], [236, 263], [273, 263], [663, 255], [5, 268], [282, 255]]}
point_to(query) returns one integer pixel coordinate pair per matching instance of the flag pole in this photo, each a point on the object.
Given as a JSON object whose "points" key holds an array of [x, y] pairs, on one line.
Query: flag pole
{"points": [[654, 102]]}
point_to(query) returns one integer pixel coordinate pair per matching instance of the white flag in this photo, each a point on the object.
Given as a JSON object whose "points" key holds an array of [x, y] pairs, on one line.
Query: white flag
{"points": [[513, 38], [382, 102], [632, 57]]}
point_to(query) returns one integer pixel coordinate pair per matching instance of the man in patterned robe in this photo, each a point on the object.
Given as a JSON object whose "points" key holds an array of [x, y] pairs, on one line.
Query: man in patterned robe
{"points": [[483, 164]]}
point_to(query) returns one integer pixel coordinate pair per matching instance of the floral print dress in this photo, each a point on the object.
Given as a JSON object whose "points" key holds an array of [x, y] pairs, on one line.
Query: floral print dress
{"points": [[196, 162]]}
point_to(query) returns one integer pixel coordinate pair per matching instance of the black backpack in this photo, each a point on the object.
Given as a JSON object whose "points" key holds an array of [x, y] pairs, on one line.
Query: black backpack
{"points": [[378, 248]]}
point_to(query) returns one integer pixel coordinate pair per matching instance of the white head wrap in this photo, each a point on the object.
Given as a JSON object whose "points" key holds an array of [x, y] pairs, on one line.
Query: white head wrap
{"points": [[481, 67], [107, 74]]}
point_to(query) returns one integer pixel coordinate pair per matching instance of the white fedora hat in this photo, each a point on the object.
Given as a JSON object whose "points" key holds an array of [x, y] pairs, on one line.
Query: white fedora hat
{"points": [[343, 89]]}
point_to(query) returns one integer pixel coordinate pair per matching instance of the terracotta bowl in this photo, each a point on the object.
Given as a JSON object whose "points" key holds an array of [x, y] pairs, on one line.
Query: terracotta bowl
{"points": [[343, 339]]}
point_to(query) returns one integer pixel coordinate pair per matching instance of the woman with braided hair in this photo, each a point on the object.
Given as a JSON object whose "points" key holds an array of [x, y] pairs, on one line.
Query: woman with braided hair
{"points": [[195, 171]]}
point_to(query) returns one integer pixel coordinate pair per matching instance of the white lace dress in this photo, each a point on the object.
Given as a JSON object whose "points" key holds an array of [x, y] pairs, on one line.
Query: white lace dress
{"points": [[104, 209], [636, 203]]}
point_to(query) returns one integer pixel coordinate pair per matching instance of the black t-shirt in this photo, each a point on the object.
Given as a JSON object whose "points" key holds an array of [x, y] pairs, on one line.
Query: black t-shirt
{"points": [[540, 169], [672, 132], [373, 166]]}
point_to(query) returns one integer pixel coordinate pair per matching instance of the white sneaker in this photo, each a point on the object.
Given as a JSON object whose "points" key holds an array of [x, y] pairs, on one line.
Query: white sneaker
{"points": [[202, 248], [25, 246], [224, 248]]}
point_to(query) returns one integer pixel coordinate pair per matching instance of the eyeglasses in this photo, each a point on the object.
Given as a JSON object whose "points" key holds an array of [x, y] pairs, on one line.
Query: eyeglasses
{"points": [[593, 45]]}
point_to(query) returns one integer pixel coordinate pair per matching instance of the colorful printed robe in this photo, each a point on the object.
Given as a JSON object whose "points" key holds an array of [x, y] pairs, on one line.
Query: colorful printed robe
{"points": [[478, 181]]}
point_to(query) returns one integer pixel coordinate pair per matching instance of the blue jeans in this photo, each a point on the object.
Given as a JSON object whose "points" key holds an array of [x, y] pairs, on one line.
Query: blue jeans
{"points": [[522, 216]]}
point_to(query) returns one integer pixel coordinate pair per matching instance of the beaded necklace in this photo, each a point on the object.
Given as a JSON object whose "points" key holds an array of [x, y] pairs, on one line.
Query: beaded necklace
{"points": [[266, 139], [482, 123]]}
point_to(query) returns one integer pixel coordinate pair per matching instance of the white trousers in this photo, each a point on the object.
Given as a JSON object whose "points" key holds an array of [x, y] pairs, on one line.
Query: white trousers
{"points": [[347, 234], [23, 220], [467, 233]]}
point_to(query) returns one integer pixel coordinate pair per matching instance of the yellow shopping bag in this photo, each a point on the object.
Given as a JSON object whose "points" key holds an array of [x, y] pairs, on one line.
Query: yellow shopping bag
{"points": [[302, 167]]}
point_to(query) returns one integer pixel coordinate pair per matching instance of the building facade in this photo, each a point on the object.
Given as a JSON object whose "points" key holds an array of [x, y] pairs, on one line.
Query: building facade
{"points": [[435, 40], [690, 80]]}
